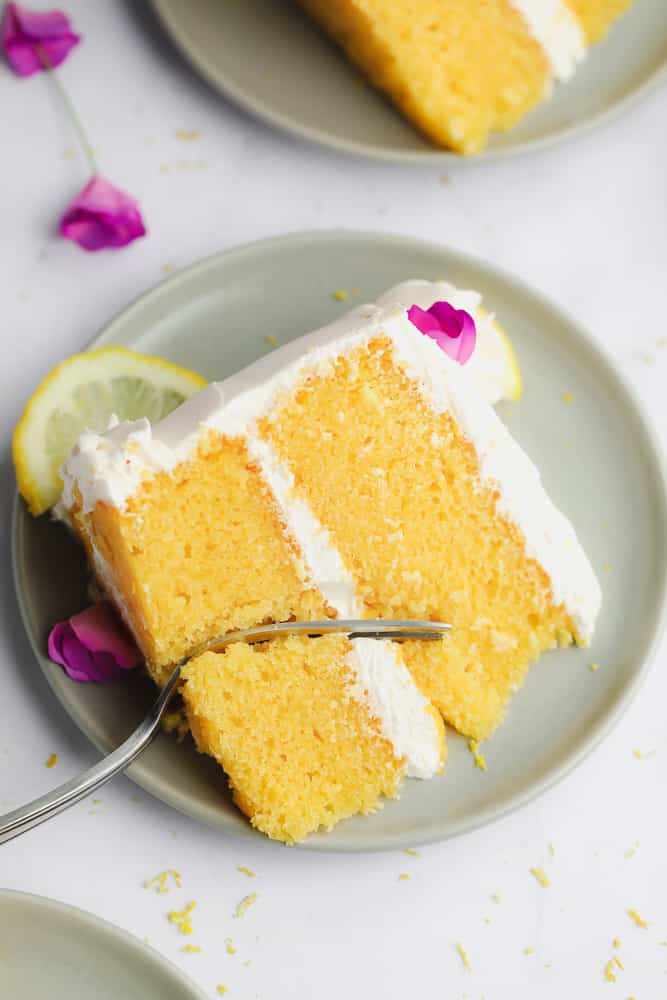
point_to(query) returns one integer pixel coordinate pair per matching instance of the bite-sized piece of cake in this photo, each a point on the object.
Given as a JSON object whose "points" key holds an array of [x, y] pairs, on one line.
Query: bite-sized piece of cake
{"points": [[303, 728], [462, 69], [355, 472]]}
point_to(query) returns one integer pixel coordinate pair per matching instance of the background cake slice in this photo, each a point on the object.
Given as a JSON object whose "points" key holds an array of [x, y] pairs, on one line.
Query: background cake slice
{"points": [[460, 69]]}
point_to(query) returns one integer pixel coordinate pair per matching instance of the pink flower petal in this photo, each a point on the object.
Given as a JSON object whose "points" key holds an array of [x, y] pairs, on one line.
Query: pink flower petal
{"points": [[452, 329], [99, 630], [93, 646], [35, 41], [102, 216]]}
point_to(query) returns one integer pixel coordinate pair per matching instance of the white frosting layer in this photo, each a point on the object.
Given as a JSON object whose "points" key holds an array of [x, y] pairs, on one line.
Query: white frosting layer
{"points": [[110, 466], [556, 27], [385, 683]]}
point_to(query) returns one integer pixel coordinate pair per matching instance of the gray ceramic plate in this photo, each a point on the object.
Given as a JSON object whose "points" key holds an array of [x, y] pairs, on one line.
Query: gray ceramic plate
{"points": [[51, 950], [267, 56], [598, 458]]}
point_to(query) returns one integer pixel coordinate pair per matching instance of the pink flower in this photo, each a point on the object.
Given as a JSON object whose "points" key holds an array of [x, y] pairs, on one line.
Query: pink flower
{"points": [[34, 42], [102, 216], [93, 645], [452, 329]]}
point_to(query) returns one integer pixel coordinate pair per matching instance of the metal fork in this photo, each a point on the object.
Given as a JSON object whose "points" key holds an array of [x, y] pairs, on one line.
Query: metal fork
{"points": [[20, 820]]}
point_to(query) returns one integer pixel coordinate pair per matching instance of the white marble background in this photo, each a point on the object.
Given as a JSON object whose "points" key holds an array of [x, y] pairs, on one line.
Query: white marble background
{"points": [[585, 222]]}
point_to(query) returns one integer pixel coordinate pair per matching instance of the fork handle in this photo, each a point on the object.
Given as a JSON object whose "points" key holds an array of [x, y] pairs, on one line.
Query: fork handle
{"points": [[26, 817]]}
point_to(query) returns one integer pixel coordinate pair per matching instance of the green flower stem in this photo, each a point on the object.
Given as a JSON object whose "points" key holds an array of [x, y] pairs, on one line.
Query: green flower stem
{"points": [[75, 120]]}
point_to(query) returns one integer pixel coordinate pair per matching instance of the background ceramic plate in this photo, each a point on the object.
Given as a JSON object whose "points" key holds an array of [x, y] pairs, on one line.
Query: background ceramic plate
{"points": [[597, 457], [51, 950], [268, 57]]}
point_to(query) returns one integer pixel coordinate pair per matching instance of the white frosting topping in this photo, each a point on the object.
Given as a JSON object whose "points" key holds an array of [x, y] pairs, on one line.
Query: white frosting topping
{"points": [[385, 683], [556, 27], [110, 467]]}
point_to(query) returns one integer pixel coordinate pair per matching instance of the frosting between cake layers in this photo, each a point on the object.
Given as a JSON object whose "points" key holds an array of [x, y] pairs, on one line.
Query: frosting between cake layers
{"points": [[110, 466], [556, 27]]}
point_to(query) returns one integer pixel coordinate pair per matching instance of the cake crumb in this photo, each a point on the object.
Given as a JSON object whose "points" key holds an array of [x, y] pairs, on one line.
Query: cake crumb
{"points": [[567, 397], [182, 918], [246, 871], [478, 757], [186, 134], [271, 340], [662, 342], [609, 972], [191, 949], [161, 880], [463, 955], [403, 877], [541, 877], [221, 989], [245, 905], [595, 666], [53, 760], [637, 919], [247, 962], [411, 851], [229, 946], [340, 295]]}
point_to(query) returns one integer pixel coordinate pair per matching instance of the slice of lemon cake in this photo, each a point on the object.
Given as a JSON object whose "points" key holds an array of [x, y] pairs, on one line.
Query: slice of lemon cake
{"points": [[297, 726], [462, 69], [356, 472]]}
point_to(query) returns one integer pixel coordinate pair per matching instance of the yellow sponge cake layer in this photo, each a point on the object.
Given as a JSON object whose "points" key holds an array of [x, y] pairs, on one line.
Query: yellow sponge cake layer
{"points": [[285, 721], [458, 70], [198, 552], [596, 16], [422, 538]]}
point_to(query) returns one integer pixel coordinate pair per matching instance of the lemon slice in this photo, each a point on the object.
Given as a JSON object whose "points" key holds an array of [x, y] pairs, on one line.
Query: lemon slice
{"points": [[494, 364], [83, 392]]}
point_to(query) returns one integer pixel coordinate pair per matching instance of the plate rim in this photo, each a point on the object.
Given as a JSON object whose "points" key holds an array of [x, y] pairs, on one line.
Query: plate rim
{"points": [[282, 122], [191, 991], [174, 797]]}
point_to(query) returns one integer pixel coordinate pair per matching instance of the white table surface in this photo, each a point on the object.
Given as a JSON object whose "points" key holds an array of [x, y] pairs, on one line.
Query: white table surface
{"points": [[585, 222]]}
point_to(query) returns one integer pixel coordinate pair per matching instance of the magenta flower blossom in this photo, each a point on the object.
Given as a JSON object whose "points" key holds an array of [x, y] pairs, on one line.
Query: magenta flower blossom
{"points": [[102, 216], [35, 41], [93, 645], [452, 329]]}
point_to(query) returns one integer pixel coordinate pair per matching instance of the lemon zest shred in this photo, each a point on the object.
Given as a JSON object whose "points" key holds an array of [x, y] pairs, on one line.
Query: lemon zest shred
{"points": [[221, 989], [463, 955], [609, 972], [340, 295], [538, 874], [411, 851], [567, 397], [53, 760], [637, 919], [595, 666], [271, 340], [616, 942], [161, 880], [245, 905], [229, 946], [182, 918], [191, 949], [529, 951], [246, 871]]}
